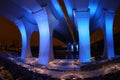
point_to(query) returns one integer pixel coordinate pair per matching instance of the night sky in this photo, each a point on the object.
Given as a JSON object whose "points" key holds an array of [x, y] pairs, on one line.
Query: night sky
{"points": [[8, 31]]}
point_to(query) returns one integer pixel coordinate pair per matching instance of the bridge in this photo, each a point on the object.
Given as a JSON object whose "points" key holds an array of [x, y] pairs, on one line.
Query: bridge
{"points": [[67, 20]]}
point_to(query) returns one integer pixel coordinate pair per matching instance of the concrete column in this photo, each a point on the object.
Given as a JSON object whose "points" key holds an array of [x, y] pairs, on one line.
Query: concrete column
{"points": [[44, 35], [30, 28], [82, 22], [108, 33], [25, 41]]}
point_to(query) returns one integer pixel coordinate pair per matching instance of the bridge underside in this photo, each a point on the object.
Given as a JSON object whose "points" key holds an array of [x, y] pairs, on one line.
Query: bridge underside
{"points": [[70, 21]]}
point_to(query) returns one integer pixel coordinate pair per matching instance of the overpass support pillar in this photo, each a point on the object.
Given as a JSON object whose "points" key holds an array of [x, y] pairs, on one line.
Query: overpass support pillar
{"points": [[82, 22], [25, 50], [108, 32], [45, 53]]}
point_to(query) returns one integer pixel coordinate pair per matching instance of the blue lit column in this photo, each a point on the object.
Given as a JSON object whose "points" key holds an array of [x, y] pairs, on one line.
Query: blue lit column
{"points": [[44, 35], [24, 53], [82, 23], [29, 27], [108, 30]]}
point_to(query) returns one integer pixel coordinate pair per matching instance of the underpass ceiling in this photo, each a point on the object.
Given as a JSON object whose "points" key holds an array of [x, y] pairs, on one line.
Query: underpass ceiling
{"points": [[57, 13]]}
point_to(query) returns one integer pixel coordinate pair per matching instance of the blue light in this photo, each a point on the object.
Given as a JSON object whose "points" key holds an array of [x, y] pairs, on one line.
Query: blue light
{"points": [[24, 39], [77, 48], [68, 7], [27, 9], [30, 19], [74, 15], [82, 21], [57, 7], [72, 48], [109, 35], [44, 35], [93, 4]]}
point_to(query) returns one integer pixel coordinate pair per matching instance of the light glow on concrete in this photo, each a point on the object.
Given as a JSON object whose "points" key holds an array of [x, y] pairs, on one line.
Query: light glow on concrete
{"points": [[109, 18], [82, 22]]}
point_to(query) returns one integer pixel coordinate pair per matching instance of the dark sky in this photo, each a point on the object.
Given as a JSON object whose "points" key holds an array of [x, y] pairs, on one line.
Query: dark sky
{"points": [[8, 31]]}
